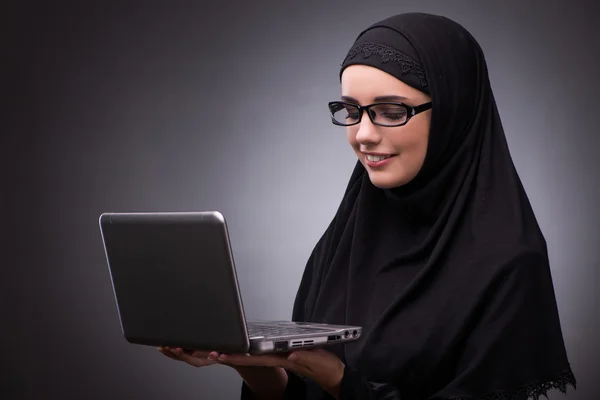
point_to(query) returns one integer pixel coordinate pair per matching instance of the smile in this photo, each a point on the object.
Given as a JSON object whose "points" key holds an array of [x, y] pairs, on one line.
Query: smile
{"points": [[377, 161], [374, 158]]}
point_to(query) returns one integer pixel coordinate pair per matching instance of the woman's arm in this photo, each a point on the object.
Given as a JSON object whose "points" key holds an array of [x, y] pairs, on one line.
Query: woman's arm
{"points": [[355, 387], [263, 383], [295, 389], [260, 382]]}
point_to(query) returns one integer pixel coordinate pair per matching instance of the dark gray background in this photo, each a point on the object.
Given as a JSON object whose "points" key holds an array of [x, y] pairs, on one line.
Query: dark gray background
{"points": [[115, 107]]}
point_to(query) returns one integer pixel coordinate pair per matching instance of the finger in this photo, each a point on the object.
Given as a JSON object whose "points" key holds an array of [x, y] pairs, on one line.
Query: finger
{"points": [[200, 361], [300, 362], [195, 361], [213, 355], [308, 356], [167, 353], [172, 356], [302, 356], [177, 351], [306, 362], [254, 361], [204, 354], [312, 362]]}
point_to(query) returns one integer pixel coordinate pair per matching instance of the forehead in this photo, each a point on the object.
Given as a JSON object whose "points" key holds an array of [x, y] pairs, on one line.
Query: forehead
{"points": [[364, 82]]}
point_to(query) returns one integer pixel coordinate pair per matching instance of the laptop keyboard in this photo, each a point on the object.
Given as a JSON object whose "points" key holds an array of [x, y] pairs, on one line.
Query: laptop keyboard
{"points": [[283, 330]]}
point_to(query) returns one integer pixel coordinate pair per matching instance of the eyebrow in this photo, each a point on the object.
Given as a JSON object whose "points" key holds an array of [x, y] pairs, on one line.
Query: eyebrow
{"points": [[378, 98]]}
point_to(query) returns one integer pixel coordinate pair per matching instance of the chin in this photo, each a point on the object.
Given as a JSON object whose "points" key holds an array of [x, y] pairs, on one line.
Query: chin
{"points": [[388, 182]]}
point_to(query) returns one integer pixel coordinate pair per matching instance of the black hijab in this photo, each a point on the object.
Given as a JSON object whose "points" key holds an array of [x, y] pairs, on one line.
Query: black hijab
{"points": [[449, 274]]}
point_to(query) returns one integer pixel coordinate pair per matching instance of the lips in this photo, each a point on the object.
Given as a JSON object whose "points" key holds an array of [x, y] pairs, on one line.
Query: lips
{"points": [[377, 158]]}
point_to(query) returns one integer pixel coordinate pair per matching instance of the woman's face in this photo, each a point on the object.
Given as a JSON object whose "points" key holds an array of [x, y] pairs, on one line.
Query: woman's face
{"points": [[406, 145]]}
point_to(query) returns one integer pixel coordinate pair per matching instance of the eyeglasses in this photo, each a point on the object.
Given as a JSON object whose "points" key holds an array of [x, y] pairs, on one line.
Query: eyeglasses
{"points": [[382, 114]]}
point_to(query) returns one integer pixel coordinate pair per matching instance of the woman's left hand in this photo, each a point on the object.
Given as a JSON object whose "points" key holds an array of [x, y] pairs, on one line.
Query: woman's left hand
{"points": [[321, 366]]}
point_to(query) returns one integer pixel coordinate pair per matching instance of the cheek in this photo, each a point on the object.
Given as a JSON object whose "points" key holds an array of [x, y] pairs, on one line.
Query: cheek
{"points": [[414, 146], [408, 144], [351, 137], [422, 139], [411, 145]]}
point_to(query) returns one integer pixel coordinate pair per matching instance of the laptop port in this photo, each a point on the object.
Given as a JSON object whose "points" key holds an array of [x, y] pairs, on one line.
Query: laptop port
{"points": [[334, 338], [347, 334], [355, 333], [281, 346]]}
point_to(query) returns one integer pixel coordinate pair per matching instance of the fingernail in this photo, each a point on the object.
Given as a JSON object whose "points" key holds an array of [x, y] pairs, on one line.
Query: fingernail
{"points": [[293, 357], [222, 357]]}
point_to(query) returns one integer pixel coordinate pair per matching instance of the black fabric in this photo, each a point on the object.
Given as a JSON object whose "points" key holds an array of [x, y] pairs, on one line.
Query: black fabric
{"points": [[384, 48], [449, 274], [295, 389]]}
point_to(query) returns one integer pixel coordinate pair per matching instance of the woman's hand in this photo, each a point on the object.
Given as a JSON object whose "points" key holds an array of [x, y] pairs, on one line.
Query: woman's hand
{"points": [[266, 382], [193, 358], [321, 366]]}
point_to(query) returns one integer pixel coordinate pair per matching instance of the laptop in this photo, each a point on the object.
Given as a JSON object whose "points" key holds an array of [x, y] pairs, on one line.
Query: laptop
{"points": [[175, 284]]}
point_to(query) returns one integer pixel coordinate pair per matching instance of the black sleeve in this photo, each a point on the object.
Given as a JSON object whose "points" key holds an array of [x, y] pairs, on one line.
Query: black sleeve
{"points": [[356, 387], [516, 350], [295, 389]]}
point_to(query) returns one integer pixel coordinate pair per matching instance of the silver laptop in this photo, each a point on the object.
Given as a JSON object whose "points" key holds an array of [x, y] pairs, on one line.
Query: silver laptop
{"points": [[175, 284]]}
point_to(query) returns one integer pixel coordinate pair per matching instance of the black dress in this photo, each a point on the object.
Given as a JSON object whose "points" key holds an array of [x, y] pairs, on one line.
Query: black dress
{"points": [[449, 274]]}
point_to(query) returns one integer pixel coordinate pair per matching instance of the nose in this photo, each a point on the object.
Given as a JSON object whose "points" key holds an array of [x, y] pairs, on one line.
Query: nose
{"points": [[367, 132]]}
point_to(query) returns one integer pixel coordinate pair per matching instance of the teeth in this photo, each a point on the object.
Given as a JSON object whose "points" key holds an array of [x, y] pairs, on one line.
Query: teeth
{"points": [[376, 158]]}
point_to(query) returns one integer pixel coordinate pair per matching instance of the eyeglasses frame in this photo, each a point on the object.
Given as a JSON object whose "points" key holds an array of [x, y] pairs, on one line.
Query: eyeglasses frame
{"points": [[412, 111]]}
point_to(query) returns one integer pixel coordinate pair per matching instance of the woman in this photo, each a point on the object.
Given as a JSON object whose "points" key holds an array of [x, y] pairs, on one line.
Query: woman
{"points": [[434, 249]]}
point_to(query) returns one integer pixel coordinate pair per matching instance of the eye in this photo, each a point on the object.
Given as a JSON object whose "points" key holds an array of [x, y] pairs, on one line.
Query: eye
{"points": [[353, 115], [351, 112], [344, 113], [392, 113], [395, 112]]}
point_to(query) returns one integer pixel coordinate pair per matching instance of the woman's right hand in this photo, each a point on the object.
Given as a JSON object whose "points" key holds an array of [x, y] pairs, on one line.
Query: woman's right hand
{"points": [[194, 358], [265, 382]]}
